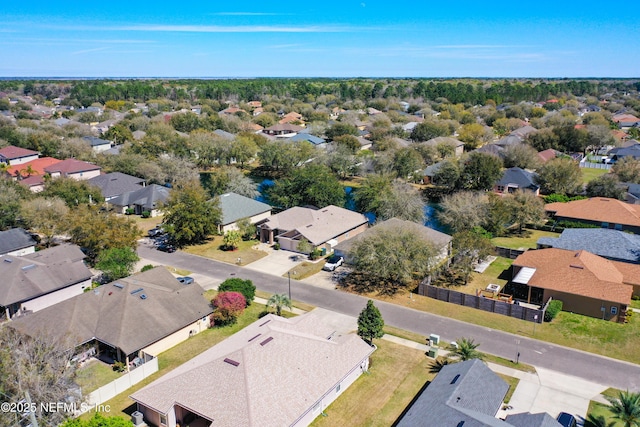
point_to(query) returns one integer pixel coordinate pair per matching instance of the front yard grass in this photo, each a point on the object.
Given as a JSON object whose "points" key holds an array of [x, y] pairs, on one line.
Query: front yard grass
{"points": [[212, 249], [396, 375], [146, 224], [496, 273], [305, 269], [513, 383], [616, 340], [94, 375], [526, 242]]}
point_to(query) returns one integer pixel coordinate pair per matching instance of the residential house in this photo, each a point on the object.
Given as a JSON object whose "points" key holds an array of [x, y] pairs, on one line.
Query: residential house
{"points": [[625, 120], [430, 171], [600, 211], [523, 132], [508, 141], [146, 199], [514, 179], [38, 280], [547, 155], [16, 242], [365, 144], [13, 155], [323, 228], [613, 245], [224, 134], [293, 118], [283, 130], [586, 283], [620, 153], [32, 174], [98, 145], [254, 104], [276, 372], [312, 139], [236, 207], [493, 149], [632, 194], [232, 111], [73, 168], [129, 320], [456, 145], [114, 184], [466, 394], [440, 241]]}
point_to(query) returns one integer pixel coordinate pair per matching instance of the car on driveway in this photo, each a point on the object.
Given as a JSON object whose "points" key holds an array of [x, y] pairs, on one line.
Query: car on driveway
{"points": [[333, 262], [185, 280], [567, 420], [166, 247], [155, 232]]}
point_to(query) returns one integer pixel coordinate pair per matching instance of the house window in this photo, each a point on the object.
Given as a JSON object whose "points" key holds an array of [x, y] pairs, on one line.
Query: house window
{"points": [[501, 188], [605, 225], [163, 420], [614, 309], [618, 226]]}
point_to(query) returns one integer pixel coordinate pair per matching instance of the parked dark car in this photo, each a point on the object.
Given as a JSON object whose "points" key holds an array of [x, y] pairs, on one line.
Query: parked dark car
{"points": [[333, 262], [567, 420], [185, 280], [155, 232], [166, 247]]}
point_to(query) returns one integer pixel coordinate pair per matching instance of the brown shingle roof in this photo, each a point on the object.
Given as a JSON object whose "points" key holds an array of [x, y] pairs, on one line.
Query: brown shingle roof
{"points": [[599, 209], [71, 166], [578, 273], [12, 152]]}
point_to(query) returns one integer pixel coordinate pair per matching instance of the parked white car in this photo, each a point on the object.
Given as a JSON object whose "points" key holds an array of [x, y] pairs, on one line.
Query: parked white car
{"points": [[333, 262]]}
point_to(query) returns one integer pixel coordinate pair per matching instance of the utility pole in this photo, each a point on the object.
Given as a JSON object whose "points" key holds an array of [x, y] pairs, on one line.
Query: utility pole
{"points": [[32, 414], [517, 351]]}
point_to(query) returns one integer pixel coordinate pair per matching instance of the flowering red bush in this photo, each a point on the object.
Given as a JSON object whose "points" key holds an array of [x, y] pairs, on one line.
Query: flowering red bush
{"points": [[227, 307]]}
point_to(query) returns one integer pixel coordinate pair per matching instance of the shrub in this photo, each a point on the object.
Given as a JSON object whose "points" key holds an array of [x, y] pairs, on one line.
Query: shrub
{"points": [[245, 287], [129, 211], [315, 254], [276, 247], [119, 367], [146, 268], [227, 307], [146, 214], [555, 307]]}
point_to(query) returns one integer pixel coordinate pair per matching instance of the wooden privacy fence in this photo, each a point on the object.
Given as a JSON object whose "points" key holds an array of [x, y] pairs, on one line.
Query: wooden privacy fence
{"points": [[482, 303], [509, 253]]}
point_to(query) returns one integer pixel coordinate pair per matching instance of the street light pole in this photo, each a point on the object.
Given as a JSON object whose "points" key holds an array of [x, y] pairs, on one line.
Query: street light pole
{"points": [[289, 275]]}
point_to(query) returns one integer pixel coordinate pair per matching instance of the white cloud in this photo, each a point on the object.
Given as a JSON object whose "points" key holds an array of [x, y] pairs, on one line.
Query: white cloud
{"points": [[82, 52], [225, 28]]}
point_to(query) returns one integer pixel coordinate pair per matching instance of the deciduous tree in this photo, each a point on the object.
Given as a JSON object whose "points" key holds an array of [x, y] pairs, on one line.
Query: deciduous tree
{"points": [[605, 186], [47, 216], [117, 263], [463, 210], [232, 239], [402, 201], [227, 306], [627, 169], [561, 176], [190, 216], [480, 171], [370, 323], [309, 185], [525, 208], [72, 191], [245, 287], [522, 156]]}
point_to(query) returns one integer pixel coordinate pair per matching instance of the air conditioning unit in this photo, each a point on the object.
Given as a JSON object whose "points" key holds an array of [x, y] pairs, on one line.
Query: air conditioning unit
{"points": [[137, 418]]}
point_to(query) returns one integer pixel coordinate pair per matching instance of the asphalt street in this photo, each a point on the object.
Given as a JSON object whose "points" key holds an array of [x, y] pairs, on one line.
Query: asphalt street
{"points": [[603, 370]]}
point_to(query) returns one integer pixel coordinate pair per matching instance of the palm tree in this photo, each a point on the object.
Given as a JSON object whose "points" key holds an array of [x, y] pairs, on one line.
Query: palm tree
{"points": [[626, 408], [437, 365], [598, 421], [465, 349], [278, 301]]}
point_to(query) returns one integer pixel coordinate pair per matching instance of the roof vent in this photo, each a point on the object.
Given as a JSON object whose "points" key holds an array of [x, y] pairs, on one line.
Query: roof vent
{"points": [[576, 266], [119, 285], [8, 260], [453, 381], [264, 323], [231, 362], [253, 338], [577, 254], [143, 296], [28, 267], [136, 291], [267, 341]]}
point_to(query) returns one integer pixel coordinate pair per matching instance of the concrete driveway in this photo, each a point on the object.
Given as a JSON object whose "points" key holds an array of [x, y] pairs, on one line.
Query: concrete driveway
{"points": [[551, 392], [277, 262]]}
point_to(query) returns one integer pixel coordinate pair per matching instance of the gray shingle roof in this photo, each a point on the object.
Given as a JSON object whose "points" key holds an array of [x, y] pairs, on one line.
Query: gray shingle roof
{"points": [[611, 244], [520, 177], [235, 207], [532, 420], [466, 392], [116, 183], [112, 314], [15, 239], [315, 140], [39, 273], [149, 197], [224, 134], [96, 142]]}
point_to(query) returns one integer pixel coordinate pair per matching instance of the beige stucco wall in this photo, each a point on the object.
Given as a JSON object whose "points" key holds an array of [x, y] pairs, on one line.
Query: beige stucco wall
{"points": [[81, 176], [176, 338], [55, 297], [22, 160], [583, 305], [254, 219]]}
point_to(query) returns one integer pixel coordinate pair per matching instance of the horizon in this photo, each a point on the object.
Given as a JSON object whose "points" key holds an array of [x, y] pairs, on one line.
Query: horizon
{"points": [[329, 39]]}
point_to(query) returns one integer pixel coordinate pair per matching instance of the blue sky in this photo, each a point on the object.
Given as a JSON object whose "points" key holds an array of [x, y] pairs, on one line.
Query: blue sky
{"points": [[419, 38]]}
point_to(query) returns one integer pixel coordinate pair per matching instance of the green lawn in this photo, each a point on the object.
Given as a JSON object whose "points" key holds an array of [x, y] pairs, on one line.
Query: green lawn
{"points": [[94, 375], [598, 409], [513, 383], [495, 273], [305, 269], [589, 174], [529, 241], [635, 303], [213, 249], [616, 340], [396, 375]]}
